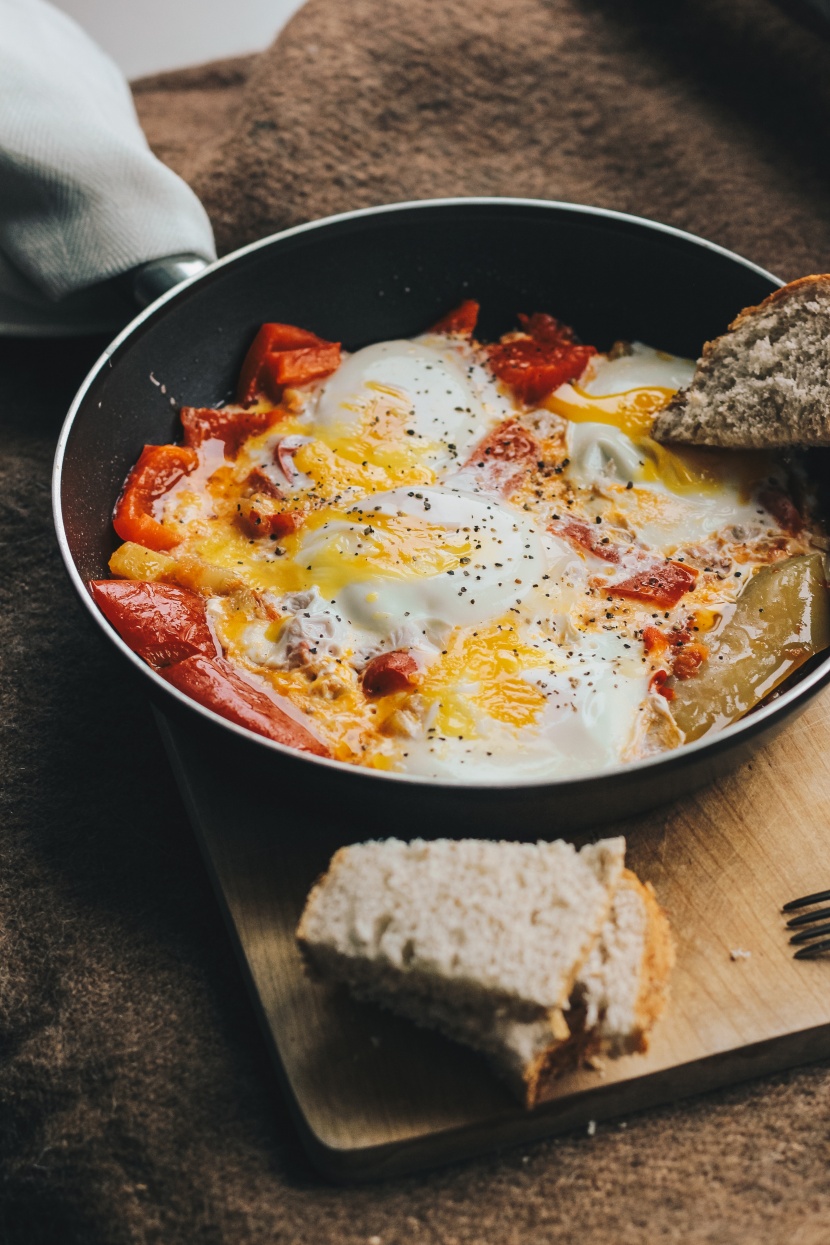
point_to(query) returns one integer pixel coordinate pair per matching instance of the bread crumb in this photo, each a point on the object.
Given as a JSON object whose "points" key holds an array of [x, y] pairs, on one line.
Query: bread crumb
{"points": [[738, 954], [374, 1240], [592, 1127]]}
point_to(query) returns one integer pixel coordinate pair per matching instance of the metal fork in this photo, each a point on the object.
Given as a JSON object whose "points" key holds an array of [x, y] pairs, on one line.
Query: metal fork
{"points": [[807, 918]]}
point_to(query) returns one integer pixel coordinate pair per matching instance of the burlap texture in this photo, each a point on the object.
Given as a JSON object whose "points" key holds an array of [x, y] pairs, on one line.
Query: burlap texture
{"points": [[136, 1101]]}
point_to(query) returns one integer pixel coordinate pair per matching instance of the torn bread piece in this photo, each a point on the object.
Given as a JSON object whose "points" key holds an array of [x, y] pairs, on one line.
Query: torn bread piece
{"points": [[763, 384], [488, 942], [619, 995]]}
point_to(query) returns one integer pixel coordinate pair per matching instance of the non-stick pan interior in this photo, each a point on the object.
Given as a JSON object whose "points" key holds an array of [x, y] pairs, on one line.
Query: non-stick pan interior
{"points": [[373, 276], [383, 275]]}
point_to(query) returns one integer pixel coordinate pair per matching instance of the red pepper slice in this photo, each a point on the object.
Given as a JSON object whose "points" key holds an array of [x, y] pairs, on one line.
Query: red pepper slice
{"points": [[662, 584], [390, 672], [163, 623], [462, 319], [159, 469], [214, 683], [309, 357], [299, 367], [539, 360], [202, 423]]}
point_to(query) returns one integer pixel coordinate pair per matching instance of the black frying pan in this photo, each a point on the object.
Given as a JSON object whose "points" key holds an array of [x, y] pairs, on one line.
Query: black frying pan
{"points": [[378, 274]]}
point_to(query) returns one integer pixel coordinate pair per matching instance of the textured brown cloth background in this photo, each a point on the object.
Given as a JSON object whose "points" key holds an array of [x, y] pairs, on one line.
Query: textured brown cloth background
{"points": [[136, 1101]]}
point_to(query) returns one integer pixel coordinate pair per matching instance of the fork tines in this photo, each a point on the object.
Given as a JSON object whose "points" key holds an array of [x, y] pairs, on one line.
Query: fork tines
{"points": [[807, 919]]}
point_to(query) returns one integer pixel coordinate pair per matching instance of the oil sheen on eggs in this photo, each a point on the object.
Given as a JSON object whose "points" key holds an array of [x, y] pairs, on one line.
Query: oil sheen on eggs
{"points": [[528, 669]]}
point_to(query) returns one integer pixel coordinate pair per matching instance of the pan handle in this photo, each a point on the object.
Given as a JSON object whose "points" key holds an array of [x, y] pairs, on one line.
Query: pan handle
{"points": [[158, 276]]}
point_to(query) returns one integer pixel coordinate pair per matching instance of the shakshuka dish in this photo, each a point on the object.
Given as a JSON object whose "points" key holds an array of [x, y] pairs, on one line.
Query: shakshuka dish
{"points": [[463, 560]]}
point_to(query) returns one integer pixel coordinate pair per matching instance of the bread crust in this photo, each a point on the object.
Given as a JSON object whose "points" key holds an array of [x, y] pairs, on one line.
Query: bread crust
{"points": [[582, 1048], [782, 295], [677, 422]]}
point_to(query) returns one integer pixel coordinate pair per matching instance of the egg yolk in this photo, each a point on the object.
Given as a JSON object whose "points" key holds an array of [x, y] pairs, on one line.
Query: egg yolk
{"points": [[481, 674], [632, 412]]}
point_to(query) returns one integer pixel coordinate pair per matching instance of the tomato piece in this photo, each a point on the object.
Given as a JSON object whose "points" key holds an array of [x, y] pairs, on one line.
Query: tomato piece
{"points": [[685, 656], [390, 672], [258, 482], [782, 509], [655, 640], [309, 358], [158, 470], [163, 623], [507, 443], [661, 584], [462, 319], [261, 515], [504, 456], [587, 536], [657, 683], [539, 360], [688, 659], [214, 683]]}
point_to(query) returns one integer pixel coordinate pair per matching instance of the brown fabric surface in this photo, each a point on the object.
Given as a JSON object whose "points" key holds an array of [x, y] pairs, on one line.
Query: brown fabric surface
{"points": [[710, 115], [136, 1101]]}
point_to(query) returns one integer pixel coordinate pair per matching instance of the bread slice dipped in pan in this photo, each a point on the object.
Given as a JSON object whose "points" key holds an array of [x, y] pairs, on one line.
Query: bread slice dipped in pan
{"points": [[764, 383]]}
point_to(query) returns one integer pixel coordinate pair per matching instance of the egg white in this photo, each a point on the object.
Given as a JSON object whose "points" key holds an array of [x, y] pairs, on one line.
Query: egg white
{"points": [[412, 567]]}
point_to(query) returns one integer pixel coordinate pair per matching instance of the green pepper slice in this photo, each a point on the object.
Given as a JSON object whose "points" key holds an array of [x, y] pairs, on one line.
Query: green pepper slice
{"points": [[781, 619]]}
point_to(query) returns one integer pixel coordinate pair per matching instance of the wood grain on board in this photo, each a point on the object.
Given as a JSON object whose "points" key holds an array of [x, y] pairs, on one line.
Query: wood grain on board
{"points": [[373, 1095]]}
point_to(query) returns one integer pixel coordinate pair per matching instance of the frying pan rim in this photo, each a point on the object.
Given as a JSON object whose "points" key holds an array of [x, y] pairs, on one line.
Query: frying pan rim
{"points": [[749, 725]]}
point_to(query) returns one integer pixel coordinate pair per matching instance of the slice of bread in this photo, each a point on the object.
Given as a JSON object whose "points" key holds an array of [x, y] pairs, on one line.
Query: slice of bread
{"points": [[764, 383], [490, 942], [619, 994]]}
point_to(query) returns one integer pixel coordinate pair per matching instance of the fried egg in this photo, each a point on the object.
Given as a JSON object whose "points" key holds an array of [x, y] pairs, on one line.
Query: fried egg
{"points": [[492, 564]]}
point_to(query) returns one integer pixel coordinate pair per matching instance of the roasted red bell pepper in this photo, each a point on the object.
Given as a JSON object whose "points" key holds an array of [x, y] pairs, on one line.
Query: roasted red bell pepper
{"points": [[390, 672], [661, 584], [163, 623], [214, 683], [539, 360], [283, 355], [462, 319], [202, 423], [158, 470]]}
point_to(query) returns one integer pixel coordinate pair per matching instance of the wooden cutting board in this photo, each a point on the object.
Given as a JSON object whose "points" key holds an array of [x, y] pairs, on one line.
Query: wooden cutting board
{"points": [[373, 1095]]}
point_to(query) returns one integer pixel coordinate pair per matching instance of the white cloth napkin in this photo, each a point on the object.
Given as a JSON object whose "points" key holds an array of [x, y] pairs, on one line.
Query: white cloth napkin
{"points": [[82, 197]]}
